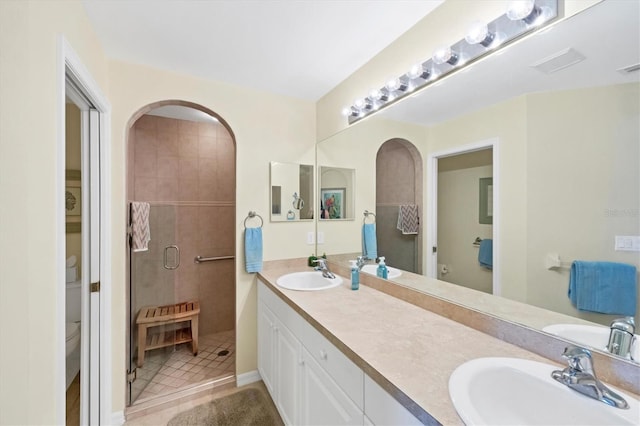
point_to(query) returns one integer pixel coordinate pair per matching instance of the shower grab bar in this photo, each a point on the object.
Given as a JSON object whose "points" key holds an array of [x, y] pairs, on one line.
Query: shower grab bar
{"points": [[166, 257], [200, 259]]}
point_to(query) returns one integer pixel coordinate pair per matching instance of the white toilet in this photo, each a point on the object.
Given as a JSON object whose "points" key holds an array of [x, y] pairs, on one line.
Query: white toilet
{"points": [[72, 330]]}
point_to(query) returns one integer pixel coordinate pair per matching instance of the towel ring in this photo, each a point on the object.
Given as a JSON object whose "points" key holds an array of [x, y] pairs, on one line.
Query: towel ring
{"points": [[252, 215], [367, 213]]}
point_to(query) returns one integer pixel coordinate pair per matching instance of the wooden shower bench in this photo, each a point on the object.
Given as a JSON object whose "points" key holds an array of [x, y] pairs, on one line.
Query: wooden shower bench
{"points": [[154, 316]]}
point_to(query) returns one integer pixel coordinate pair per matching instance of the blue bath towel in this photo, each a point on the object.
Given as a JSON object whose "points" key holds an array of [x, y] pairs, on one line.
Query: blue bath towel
{"points": [[253, 249], [605, 287], [369, 242], [485, 254]]}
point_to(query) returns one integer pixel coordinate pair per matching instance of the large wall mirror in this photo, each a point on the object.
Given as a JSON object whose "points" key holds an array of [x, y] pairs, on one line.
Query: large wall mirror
{"points": [[563, 107], [291, 192]]}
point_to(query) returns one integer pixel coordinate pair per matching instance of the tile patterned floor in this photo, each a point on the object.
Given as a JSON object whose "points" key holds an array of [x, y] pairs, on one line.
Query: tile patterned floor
{"points": [[163, 373]]}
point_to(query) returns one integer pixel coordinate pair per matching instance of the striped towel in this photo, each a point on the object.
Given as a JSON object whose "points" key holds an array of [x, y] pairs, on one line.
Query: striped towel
{"points": [[140, 226], [408, 220]]}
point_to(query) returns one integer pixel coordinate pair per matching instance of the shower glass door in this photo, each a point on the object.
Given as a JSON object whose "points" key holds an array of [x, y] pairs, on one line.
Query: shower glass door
{"points": [[152, 284]]}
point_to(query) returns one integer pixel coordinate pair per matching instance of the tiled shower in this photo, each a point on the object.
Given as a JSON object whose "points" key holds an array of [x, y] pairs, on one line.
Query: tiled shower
{"points": [[185, 170]]}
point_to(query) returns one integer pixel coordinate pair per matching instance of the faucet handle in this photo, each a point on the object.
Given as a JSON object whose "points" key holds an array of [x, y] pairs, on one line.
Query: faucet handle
{"points": [[322, 263], [579, 359]]}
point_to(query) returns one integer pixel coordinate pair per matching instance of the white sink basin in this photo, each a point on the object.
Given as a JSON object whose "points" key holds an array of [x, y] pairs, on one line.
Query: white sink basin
{"points": [[596, 337], [511, 391], [391, 272], [307, 281]]}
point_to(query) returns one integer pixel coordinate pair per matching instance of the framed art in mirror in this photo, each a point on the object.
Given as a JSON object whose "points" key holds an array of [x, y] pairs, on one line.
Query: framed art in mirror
{"points": [[73, 201], [332, 203], [486, 201]]}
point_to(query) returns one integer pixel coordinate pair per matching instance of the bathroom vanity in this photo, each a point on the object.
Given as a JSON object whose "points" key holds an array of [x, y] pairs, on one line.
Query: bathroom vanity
{"points": [[339, 356]]}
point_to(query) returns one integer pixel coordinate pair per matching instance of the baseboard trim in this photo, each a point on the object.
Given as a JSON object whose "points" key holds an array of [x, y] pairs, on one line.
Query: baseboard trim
{"points": [[117, 418], [247, 378]]}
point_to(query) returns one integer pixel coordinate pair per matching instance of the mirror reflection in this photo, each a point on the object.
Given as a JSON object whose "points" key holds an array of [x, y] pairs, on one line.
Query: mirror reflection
{"points": [[564, 166], [291, 192]]}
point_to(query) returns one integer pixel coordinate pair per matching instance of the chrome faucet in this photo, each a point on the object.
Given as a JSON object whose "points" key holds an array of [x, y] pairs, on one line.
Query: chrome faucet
{"points": [[322, 266], [622, 336], [579, 376], [360, 262]]}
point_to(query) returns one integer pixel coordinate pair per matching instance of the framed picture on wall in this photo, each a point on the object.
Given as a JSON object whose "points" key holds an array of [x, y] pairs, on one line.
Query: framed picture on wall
{"points": [[486, 201], [332, 203], [73, 201]]}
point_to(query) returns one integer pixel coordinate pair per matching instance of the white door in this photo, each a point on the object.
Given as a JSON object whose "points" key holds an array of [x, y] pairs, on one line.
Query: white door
{"points": [[91, 252], [323, 402]]}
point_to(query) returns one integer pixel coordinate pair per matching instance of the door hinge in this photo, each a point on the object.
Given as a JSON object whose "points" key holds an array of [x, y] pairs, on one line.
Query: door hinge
{"points": [[95, 287], [132, 375]]}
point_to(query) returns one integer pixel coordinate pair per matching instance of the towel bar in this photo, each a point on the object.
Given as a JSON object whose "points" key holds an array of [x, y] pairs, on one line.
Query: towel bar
{"points": [[367, 213], [200, 259]]}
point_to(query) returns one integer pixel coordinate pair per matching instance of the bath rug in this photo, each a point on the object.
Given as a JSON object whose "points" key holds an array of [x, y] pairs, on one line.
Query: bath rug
{"points": [[246, 407]]}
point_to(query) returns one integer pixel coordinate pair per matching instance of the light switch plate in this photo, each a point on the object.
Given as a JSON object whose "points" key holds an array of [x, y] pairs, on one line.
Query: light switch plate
{"points": [[627, 243], [320, 237], [310, 237]]}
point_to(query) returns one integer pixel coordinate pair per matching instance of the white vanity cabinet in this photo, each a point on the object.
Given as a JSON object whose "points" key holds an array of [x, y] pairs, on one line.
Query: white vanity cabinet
{"points": [[310, 380]]}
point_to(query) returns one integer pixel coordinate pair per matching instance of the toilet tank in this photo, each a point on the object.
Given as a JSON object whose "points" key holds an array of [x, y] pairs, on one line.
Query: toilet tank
{"points": [[73, 301]]}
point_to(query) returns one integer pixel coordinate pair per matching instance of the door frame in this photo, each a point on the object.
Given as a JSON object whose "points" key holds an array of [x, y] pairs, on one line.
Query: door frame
{"points": [[432, 206], [70, 66]]}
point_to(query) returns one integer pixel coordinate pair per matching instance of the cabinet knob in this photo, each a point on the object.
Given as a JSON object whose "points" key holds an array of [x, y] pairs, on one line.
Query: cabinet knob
{"points": [[323, 354]]}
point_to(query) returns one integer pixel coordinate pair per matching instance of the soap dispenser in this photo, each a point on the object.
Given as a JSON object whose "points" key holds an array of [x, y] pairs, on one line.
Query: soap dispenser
{"points": [[355, 275], [382, 270]]}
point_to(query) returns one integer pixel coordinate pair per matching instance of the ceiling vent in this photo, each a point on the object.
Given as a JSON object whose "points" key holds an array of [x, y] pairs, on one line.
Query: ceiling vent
{"points": [[563, 59], [629, 69]]}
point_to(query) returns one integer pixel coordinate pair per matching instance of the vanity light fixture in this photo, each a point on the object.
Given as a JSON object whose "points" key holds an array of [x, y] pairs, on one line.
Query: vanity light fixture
{"points": [[521, 18]]}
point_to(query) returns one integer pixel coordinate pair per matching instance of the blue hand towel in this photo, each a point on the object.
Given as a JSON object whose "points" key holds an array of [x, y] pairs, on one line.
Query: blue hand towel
{"points": [[605, 287], [369, 242], [485, 254], [253, 249]]}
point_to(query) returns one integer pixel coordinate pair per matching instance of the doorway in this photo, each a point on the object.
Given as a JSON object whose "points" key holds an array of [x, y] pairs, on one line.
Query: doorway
{"points": [[399, 186], [463, 228], [181, 187], [86, 227]]}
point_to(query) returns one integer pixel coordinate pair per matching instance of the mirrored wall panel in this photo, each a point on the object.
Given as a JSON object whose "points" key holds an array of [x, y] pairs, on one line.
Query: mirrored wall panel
{"points": [[291, 192]]}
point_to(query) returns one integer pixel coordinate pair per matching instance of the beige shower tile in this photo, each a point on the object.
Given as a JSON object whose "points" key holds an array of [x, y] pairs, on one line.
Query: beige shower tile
{"points": [[207, 147], [146, 139], [207, 192], [167, 144], [187, 127], [207, 169], [207, 129], [187, 229], [145, 189], [146, 122], [188, 189], [223, 132], [166, 125], [168, 167], [146, 164], [167, 189], [188, 145], [188, 168]]}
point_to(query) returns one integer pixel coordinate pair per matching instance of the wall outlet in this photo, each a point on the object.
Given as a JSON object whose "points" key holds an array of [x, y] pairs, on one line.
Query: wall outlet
{"points": [[310, 237], [320, 237], [627, 243]]}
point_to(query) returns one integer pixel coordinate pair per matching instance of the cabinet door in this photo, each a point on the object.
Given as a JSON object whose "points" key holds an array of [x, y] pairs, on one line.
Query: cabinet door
{"points": [[266, 345], [323, 402], [287, 384]]}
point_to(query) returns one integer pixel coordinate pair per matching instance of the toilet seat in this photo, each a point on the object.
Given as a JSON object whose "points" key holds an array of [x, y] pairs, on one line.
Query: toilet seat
{"points": [[72, 337], [72, 330]]}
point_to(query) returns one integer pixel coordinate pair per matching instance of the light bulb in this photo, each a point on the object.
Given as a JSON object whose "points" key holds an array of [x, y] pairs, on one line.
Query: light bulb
{"points": [[524, 10], [346, 111], [479, 34], [445, 54], [396, 84], [375, 94], [359, 103], [419, 71]]}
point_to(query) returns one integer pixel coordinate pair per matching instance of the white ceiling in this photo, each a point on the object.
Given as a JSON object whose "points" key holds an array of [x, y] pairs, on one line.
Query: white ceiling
{"points": [[298, 48]]}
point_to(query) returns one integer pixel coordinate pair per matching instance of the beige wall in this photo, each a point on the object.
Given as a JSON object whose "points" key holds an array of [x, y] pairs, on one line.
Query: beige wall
{"points": [[266, 128], [30, 288], [582, 186]]}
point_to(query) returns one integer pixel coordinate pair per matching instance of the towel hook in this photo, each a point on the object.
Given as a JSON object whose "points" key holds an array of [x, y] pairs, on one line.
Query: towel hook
{"points": [[251, 215], [367, 213]]}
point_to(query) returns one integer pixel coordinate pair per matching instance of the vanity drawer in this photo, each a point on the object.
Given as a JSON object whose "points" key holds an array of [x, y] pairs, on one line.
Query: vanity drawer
{"points": [[341, 369]]}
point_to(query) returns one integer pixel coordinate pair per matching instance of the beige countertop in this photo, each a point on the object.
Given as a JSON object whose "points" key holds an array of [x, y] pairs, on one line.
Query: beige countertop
{"points": [[409, 351]]}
